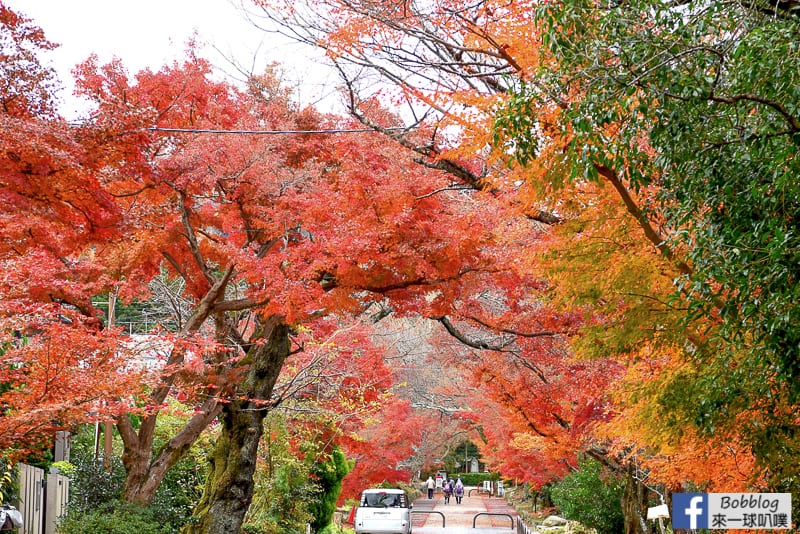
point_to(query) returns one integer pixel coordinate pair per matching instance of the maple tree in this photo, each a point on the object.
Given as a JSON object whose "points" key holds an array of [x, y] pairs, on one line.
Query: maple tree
{"points": [[553, 272], [608, 146], [28, 86], [682, 109], [340, 392], [433, 386], [530, 400], [266, 233], [455, 63], [57, 367], [442, 62]]}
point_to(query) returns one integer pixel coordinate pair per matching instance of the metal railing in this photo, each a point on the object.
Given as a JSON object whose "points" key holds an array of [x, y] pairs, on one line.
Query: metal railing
{"points": [[509, 516], [430, 512]]}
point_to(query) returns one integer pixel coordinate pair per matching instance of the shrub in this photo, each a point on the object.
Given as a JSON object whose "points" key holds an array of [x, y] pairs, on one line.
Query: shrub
{"points": [[473, 479], [9, 485], [329, 475], [412, 490], [121, 518], [91, 485], [95, 491], [592, 497]]}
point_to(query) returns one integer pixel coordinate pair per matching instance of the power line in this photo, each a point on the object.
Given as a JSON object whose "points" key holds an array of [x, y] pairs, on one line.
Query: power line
{"points": [[270, 132]]}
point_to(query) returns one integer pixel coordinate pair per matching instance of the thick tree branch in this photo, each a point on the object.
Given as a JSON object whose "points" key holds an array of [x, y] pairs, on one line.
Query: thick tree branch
{"points": [[474, 343], [534, 334], [791, 120], [201, 313], [651, 233], [239, 304]]}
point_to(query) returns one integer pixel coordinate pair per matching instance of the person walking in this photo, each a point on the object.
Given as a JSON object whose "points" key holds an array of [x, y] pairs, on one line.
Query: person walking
{"points": [[459, 491], [430, 484], [448, 491]]}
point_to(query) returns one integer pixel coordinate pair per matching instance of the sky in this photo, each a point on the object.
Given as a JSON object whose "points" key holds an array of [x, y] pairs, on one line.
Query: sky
{"points": [[151, 33]]}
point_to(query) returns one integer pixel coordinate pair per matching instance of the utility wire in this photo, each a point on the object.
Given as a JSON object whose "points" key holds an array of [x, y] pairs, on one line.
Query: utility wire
{"points": [[269, 132]]}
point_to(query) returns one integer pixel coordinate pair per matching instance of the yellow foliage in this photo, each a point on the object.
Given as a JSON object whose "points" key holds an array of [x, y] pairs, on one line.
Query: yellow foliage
{"points": [[527, 442]]}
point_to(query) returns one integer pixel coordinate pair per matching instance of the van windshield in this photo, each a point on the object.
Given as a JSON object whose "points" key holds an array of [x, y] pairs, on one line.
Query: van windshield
{"points": [[382, 499]]}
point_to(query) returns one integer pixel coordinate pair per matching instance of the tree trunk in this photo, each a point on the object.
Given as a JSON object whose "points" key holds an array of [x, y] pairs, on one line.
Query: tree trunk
{"points": [[143, 472], [136, 460], [634, 504], [229, 487]]}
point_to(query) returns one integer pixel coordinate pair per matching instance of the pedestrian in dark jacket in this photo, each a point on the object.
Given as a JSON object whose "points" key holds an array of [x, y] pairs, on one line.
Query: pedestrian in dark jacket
{"points": [[448, 491]]}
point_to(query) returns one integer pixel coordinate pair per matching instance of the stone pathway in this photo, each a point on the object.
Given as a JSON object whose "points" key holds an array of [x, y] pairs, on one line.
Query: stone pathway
{"points": [[458, 518]]}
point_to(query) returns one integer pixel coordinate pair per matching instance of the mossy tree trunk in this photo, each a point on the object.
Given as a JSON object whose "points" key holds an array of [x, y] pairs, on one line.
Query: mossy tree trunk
{"points": [[634, 504], [229, 487]]}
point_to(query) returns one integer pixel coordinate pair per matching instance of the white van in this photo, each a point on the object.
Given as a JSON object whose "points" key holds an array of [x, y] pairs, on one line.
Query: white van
{"points": [[383, 511]]}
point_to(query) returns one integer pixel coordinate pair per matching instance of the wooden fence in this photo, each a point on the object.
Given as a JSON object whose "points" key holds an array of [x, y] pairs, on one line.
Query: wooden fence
{"points": [[42, 499]]}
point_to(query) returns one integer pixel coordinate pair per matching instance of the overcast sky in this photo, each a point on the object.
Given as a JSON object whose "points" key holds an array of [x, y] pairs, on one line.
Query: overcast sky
{"points": [[150, 33]]}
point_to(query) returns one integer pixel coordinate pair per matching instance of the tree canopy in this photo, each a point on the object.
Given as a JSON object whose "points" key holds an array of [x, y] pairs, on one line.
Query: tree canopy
{"points": [[583, 215], [657, 141], [695, 102]]}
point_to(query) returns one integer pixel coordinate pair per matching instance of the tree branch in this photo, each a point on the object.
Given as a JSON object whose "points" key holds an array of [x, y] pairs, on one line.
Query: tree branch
{"points": [[474, 343], [651, 233]]}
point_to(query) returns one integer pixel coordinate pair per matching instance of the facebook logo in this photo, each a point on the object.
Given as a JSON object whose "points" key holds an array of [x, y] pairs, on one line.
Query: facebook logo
{"points": [[690, 510], [732, 510]]}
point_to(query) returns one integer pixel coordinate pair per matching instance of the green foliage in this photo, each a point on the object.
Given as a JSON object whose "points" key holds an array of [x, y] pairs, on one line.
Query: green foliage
{"points": [[65, 468], [283, 488], [474, 479], [95, 491], [92, 487], [699, 100], [329, 475], [457, 456], [413, 491], [116, 518], [8, 483], [294, 486], [591, 496], [42, 459]]}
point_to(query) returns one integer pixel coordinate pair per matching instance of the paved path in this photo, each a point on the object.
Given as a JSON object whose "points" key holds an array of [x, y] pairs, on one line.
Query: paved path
{"points": [[458, 518]]}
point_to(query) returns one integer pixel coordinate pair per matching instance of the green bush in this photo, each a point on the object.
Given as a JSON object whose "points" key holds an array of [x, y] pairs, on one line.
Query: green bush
{"points": [[412, 490], [329, 475], [91, 485], [284, 487], [95, 491], [592, 497], [121, 518], [9, 485], [264, 526], [473, 479]]}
